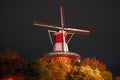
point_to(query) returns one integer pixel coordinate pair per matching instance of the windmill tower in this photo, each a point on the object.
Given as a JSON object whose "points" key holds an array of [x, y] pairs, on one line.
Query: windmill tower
{"points": [[61, 50]]}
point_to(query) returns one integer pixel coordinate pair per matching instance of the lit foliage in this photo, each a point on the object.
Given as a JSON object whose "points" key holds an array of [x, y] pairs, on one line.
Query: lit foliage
{"points": [[94, 63], [10, 63], [107, 75], [90, 69], [117, 77], [85, 73], [41, 70], [37, 70], [57, 70]]}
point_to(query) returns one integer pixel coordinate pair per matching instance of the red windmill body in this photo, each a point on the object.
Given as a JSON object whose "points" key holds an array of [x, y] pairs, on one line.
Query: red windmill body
{"points": [[60, 41], [61, 51]]}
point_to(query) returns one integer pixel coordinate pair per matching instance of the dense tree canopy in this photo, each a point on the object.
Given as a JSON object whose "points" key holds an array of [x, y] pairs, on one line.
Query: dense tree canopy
{"points": [[41, 70], [10, 63], [37, 69], [90, 69]]}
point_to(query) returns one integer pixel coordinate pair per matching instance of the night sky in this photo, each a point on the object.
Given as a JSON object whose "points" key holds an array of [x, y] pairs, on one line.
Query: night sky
{"points": [[101, 17]]}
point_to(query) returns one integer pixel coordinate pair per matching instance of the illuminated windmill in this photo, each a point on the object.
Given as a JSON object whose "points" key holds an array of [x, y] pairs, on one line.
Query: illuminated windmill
{"points": [[61, 51]]}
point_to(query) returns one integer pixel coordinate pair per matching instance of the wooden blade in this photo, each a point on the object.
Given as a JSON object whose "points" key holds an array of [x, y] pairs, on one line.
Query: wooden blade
{"points": [[46, 25], [78, 31], [68, 30], [62, 17]]}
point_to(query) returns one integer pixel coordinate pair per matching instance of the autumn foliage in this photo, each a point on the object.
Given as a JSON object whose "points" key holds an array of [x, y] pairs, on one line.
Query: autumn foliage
{"points": [[10, 64], [11, 67], [89, 69], [93, 63], [117, 77]]}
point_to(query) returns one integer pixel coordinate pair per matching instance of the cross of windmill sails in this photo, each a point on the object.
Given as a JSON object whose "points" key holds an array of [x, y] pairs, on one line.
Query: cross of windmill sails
{"points": [[69, 30]]}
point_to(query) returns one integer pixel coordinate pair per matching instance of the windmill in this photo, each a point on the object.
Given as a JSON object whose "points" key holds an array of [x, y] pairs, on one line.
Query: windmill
{"points": [[61, 51]]}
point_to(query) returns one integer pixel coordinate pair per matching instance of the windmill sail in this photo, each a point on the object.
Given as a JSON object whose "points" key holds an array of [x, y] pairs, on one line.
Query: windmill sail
{"points": [[60, 42]]}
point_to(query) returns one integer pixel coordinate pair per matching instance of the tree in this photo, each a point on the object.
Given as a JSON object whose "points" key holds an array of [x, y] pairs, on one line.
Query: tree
{"points": [[117, 77], [58, 70], [107, 75], [90, 69], [10, 63], [37, 70], [85, 73], [96, 64], [93, 63]]}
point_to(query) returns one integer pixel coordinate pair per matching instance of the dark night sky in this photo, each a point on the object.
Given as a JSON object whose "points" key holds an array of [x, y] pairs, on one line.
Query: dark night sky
{"points": [[102, 18]]}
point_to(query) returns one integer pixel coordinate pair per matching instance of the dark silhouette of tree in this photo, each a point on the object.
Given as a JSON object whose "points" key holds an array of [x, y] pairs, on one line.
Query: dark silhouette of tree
{"points": [[37, 70], [10, 63]]}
